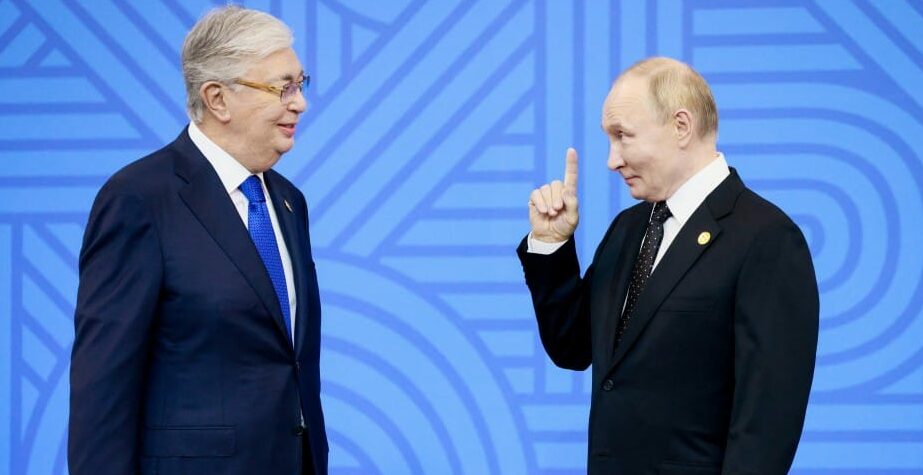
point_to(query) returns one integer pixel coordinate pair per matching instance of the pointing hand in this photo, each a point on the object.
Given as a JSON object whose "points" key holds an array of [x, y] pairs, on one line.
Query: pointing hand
{"points": [[553, 206]]}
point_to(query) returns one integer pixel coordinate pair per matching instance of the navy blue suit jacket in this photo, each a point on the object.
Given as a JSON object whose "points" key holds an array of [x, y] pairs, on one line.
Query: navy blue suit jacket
{"points": [[181, 362]]}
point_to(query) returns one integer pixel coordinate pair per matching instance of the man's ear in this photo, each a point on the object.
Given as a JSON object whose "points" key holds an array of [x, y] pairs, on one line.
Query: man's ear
{"points": [[214, 98], [683, 127]]}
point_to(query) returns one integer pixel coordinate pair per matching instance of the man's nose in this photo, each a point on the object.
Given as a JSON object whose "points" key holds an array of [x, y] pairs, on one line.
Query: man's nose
{"points": [[299, 103], [615, 158]]}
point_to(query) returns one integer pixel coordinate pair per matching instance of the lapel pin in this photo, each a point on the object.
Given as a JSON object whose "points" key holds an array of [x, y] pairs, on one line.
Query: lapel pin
{"points": [[704, 237], [288, 205]]}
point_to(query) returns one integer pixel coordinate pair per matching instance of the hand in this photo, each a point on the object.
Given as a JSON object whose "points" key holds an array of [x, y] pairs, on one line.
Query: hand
{"points": [[553, 207]]}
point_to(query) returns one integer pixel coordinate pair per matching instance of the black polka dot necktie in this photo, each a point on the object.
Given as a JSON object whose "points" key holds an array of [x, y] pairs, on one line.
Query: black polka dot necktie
{"points": [[644, 265]]}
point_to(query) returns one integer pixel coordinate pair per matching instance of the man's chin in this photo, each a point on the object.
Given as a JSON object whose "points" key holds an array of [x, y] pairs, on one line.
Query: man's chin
{"points": [[266, 164], [284, 146]]}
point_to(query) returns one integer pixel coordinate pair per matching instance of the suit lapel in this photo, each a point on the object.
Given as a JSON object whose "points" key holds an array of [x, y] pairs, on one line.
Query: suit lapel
{"points": [[678, 259], [293, 233], [621, 254], [209, 202]]}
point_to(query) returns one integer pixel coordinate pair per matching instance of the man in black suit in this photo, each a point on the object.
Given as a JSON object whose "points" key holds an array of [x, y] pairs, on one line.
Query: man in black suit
{"points": [[198, 319], [699, 312]]}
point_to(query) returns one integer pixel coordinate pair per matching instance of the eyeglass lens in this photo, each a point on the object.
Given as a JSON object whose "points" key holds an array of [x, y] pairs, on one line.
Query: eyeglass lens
{"points": [[289, 90]]}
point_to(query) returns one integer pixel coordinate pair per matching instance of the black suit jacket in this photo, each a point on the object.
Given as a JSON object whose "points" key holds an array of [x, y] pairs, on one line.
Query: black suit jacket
{"points": [[714, 371], [181, 362]]}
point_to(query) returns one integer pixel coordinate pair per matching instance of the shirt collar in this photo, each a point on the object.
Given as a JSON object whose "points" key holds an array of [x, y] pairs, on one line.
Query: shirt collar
{"points": [[691, 194], [229, 170]]}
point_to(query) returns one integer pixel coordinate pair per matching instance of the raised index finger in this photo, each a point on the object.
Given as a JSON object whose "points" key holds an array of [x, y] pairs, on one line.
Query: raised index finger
{"points": [[570, 169]]}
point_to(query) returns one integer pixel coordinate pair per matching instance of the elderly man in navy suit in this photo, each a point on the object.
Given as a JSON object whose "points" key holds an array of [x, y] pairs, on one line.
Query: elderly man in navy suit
{"points": [[198, 319], [699, 311]]}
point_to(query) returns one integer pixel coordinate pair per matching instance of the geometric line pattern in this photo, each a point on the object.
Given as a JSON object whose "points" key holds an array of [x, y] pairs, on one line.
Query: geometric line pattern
{"points": [[428, 124]]}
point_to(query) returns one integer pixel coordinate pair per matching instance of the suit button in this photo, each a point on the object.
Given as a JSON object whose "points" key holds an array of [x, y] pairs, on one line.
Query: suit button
{"points": [[607, 385], [298, 430]]}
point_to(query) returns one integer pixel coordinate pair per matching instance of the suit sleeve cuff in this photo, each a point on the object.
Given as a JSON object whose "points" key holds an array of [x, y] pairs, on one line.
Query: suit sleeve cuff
{"points": [[534, 246]]}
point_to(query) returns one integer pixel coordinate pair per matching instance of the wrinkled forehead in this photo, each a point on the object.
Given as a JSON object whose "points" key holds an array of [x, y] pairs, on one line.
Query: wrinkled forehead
{"points": [[280, 65], [628, 97]]}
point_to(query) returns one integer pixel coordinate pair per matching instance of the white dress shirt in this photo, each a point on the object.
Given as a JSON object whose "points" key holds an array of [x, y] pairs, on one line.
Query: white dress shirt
{"points": [[232, 175], [682, 204]]}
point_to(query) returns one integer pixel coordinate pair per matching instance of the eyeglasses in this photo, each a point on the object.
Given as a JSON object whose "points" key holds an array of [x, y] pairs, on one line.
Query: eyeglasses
{"points": [[286, 93]]}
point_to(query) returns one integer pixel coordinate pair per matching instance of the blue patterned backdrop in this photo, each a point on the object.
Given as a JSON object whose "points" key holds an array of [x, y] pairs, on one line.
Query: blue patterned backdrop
{"points": [[429, 123]]}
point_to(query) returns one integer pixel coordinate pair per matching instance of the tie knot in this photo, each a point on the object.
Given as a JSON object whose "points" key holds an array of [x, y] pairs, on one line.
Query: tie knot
{"points": [[661, 212], [252, 188]]}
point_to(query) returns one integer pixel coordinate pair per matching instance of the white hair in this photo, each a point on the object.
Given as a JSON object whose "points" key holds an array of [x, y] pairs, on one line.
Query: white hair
{"points": [[223, 45]]}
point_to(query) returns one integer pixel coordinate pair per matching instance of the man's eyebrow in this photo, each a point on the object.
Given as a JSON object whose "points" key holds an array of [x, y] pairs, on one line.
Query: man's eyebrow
{"points": [[288, 77], [611, 127]]}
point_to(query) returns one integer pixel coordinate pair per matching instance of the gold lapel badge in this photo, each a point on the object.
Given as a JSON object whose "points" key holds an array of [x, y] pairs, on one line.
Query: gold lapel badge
{"points": [[704, 237], [289, 206]]}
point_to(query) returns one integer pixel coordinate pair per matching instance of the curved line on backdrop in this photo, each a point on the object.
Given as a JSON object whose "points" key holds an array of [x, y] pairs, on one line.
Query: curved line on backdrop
{"points": [[340, 440], [848, 266], [901, 149], [393, 290], [362, 404], [367, 272], [816, 236], [886, 356], [394, 374], [441, 362]]}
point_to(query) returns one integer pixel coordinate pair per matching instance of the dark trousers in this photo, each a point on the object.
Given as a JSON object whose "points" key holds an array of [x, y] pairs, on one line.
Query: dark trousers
{"points": [[307, 460]]}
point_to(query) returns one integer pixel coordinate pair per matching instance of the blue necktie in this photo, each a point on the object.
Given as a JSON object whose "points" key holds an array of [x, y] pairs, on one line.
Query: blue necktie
{"points": [[260, 227]]}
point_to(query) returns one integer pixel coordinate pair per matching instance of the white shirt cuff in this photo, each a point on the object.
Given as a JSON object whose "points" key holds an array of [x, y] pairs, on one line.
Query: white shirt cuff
{"points": [[535, 246]]}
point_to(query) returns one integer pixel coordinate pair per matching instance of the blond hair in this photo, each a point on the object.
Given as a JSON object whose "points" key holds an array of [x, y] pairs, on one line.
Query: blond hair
{"points": [[675, 85], [223, 45]]}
